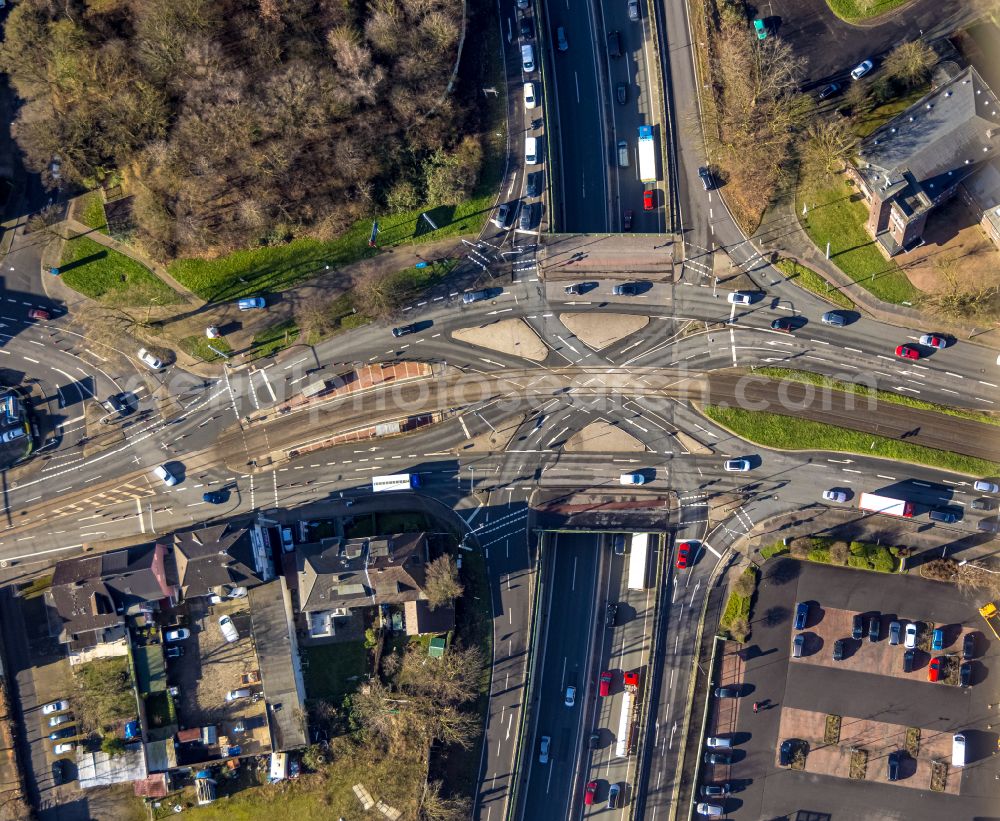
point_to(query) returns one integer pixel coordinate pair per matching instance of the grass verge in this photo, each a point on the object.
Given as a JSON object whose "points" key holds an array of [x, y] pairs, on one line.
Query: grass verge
{"points": [[853, 11], [736, 615], [200, 346], [885, 396], [274, 338], [809, 279], [836, 214], [776, 549], [111, 277], [90, 211], [789, 433], [334, 670]]}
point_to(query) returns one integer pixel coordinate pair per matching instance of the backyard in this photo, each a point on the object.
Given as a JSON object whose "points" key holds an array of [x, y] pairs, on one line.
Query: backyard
{"points": [[335, 670]]}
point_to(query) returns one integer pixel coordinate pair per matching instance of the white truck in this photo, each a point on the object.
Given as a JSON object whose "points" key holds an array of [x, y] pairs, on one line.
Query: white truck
{"points": [[647, 154], [637, 561], [887, 505]]}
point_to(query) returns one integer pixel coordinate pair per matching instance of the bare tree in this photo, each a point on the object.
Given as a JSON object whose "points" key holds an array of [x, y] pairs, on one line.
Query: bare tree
{"points": [[744, 585], [442, 585], [436, 807], [826, 146], [910, 62]]}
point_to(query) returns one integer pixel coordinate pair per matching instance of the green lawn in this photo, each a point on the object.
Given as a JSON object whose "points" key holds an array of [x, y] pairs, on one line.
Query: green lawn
{"points": [[274, 338], [275, 269], [737, 606], [881, 114], [856, 10], [402, 522], [812, 281], [90, 211], [197, 346], [837, 215], [789, 433], [885, 396], [334, 670], [113, 278]]}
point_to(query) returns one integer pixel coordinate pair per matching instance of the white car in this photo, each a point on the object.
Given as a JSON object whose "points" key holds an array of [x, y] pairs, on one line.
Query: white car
{"points": [[543, 750], [179, 634], [861, 69], [631, 479], [737, 465], [711, 810], [55, 707], [63, 749], [229, 631], [834, 495], [910, 636], [986, 487], [162, 472], [11, 435], [149, 360], [570, 696], [739, 298], [529, 95]]}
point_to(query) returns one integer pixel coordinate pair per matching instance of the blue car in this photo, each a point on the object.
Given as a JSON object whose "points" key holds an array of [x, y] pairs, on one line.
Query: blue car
{"points": [[801, 615], [937, 642]]}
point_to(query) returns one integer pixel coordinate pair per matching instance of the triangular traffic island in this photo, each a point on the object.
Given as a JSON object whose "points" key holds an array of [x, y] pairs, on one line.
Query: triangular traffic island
{"points": [[603, 437], [510, 336], [598, 330]]}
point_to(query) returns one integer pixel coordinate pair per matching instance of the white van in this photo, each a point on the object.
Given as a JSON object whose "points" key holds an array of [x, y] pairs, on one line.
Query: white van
{"points": [[528, 58], [279, 767], [623, 153], [163, 473], [958, 750], [531, 150]]}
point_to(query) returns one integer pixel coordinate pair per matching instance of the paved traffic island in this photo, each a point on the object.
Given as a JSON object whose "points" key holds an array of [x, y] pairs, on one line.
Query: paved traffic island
{"points": [[827, 625], [599, 330], [859, 748], [510, 336], [603, 437]]}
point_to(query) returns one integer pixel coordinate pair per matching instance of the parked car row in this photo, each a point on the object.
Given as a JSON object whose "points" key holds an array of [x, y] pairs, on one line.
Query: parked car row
{"points": [[60, 725]]}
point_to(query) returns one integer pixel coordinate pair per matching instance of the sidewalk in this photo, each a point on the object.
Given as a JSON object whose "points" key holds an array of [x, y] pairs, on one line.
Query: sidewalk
{"points": [[781, 231]]}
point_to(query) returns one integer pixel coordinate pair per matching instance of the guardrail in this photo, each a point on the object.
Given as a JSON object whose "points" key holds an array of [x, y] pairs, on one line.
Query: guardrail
{"points": [[549, 124]]}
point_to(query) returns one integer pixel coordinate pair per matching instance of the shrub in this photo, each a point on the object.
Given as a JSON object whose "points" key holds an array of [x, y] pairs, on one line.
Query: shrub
{"points": [[800, 547], [858, 548], [819, 554], [839, 553], [882, 560], [859, 562]]}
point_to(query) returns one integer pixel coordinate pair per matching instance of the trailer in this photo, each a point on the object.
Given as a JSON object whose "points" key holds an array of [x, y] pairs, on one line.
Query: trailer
{"points": [[989, 612], [886, 505], [637, 561], [397, 481], [647, 154], [625, 741]]}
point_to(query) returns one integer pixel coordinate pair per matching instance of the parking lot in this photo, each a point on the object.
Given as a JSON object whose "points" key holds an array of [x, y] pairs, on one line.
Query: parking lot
{"points": [[210, 668], [880, 709]]}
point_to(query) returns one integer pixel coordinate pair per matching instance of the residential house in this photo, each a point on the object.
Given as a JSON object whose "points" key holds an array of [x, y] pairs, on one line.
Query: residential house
{"points": [[336, 576], [419, 619], [215, 559], [92, 595], [922, 157]]}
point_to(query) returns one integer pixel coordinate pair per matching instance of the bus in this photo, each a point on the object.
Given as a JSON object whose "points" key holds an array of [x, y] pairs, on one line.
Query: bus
{"points": [[398, 481], [637, 561]]}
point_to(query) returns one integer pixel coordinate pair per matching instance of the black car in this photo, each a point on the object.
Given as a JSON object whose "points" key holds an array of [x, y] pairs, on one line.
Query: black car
{"points": [[706, 177], [527, 219], [610, 614], [982, 504], [874, 628], [969, 646], [214, 497], [403, 330], [534, 186], [716, 757], [894, 758], [965, 674], [829, 91], [782, 323], [527, 28], [838, 650], [621, 93], [988, 526], [626, 289], [786, 752], [614, 44], [858, 627], [59, 771], [801, 615], [715, 790], [627, 221], [594, 740], [908, 658], [121, 402], [727, 692], [174, 651]]}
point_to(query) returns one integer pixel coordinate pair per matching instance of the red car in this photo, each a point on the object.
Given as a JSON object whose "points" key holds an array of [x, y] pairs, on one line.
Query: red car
{"points": [[934, 671], [627, 221], [648, 200], [604, 686], [683, 555], [590, 794], [906, 352], [38, 313]]}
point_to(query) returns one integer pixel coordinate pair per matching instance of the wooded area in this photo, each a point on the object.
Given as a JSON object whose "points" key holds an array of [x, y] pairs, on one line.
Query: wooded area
{"points": [[237, 123]]}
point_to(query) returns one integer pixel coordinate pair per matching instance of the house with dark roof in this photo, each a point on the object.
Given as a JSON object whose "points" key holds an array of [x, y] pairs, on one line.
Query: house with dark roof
{"points": [[213, 559], [92, 595], [923, 157], [335, 576]]}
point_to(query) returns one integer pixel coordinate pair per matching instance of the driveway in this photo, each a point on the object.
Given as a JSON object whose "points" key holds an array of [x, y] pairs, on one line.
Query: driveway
{"points": [[833, 47]]}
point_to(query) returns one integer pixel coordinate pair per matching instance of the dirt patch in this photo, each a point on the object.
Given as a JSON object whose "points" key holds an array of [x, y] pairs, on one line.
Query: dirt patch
{"points": [[603, 437], [955, 254], [859, 764], [597, 331], [510, 336], [831, 734]]}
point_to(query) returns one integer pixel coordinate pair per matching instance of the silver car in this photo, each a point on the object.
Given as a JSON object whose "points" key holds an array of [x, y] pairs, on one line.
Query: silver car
{"points": [[543, 749]]}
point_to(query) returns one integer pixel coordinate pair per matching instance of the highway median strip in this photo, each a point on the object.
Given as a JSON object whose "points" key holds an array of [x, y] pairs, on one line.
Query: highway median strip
{"points": [[791, 433]]}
